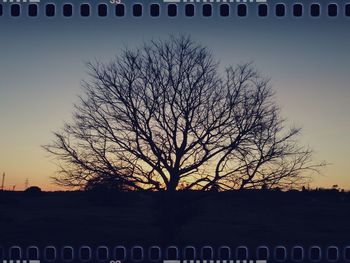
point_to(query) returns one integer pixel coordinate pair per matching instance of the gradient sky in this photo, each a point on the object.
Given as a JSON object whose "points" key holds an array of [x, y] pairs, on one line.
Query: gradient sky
{"points": [[42, 65]]}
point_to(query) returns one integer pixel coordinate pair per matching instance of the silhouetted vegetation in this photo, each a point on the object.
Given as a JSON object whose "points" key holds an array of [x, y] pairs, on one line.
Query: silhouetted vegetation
{"points": [[105, 183], [33, 191], [163, 117]]}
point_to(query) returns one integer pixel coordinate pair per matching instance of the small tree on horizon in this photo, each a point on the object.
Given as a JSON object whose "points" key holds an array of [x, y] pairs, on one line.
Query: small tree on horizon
{"points": [[163, 117]]}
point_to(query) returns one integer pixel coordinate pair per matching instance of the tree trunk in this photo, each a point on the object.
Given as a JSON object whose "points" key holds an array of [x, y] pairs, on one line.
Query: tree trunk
{"points": [[173, 182]]}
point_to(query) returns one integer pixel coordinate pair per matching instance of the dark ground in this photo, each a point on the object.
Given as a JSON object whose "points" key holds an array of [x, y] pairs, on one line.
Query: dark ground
{"points": [[250, 218]]}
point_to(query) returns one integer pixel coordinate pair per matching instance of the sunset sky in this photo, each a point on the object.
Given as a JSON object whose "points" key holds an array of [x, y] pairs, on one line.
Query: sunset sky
{"points": [[42, 65]]}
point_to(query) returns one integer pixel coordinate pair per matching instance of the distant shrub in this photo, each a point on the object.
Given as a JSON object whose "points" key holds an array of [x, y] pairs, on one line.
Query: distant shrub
{"points": [[107, 190], [106, 183], [33, 191]]}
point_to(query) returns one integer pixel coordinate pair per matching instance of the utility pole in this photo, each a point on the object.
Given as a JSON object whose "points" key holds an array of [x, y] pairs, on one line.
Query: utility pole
{"points": [[3, 182], [26, 184]]}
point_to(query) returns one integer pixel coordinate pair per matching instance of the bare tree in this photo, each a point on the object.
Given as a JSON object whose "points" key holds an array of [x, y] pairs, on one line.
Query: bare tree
{"points": [[163, 115]]}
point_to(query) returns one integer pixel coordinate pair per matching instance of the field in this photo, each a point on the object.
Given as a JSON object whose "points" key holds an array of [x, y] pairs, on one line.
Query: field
{"points": [[236, 217]]}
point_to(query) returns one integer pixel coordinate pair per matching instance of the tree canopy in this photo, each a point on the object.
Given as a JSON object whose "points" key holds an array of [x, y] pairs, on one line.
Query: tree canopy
{"points": [[164, 117]]}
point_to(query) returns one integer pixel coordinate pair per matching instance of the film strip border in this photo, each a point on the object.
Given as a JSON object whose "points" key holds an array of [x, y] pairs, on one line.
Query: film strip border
{"points": [[279, 10], [211, 254]]}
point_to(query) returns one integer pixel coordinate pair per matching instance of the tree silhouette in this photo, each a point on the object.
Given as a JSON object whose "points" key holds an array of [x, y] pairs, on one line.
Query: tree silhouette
{"points": [[164, 116]]}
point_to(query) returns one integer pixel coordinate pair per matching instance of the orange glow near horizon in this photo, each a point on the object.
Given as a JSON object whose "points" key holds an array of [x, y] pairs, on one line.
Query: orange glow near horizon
{"points": [[45, 183]]}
